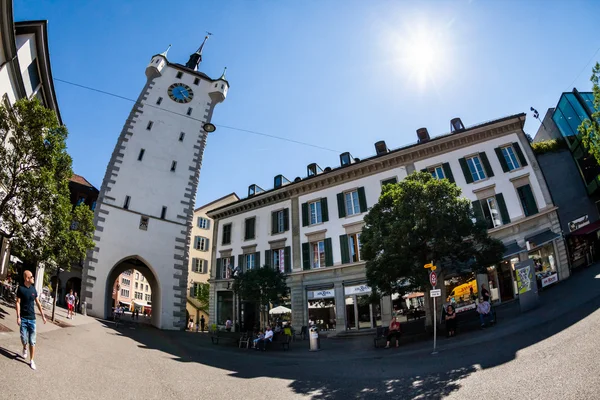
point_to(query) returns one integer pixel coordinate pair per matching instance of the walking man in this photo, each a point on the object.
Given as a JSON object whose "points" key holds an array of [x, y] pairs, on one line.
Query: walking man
{"points": [[27, 297], [75, 304], [70, 304], [202, 321]]}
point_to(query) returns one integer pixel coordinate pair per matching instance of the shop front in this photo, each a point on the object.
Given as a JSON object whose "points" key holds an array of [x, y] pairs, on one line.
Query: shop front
{"points": [[541, 249], [224, 307], [583, 242], [321, 308], [461, 291], [361, 313]]}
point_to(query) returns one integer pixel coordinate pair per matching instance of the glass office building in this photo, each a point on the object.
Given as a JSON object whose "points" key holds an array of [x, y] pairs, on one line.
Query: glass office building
{"points": [[572, 109]]}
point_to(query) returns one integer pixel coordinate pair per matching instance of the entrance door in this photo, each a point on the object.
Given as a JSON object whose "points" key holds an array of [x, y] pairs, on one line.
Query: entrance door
{"points": [[505, 281]]}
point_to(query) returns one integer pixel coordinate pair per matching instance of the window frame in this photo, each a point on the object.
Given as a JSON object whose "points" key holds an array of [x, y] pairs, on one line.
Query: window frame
{"points": [[159, 100], [496, 220], [230, 226], [435, 173], [510, 160], [481, 167], [321, 259], [354, 245], [386, 181], [246, 237], [318, 212], [204, 225], [278, 254], [247, 258], [355, 202]]}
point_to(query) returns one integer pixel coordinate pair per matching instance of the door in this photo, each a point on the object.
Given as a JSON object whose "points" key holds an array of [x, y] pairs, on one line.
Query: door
{"points": [[505, 281]]}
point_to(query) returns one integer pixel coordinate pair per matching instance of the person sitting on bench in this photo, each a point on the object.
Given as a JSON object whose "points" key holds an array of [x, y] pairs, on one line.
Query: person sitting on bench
{"points": [[262, 343], [485, 311], [394, 332]]}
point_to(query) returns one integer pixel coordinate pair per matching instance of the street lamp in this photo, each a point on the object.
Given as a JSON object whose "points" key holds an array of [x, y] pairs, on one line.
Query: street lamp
{"points": [[536, 115], [209, 128]]}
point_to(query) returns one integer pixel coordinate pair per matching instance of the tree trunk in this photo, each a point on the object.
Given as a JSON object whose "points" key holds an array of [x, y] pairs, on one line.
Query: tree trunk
{"points": [[55, 293]]}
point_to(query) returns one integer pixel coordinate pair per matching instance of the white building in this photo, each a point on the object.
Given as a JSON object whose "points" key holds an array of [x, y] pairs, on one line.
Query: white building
{"points": [[144, 212], [199, 254], [314, 224], [24, 73]]}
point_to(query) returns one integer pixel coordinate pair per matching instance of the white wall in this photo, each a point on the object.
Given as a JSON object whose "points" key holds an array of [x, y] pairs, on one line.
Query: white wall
{"points": [[263, 231], [334, 226], [26, 52], [500, 179]]}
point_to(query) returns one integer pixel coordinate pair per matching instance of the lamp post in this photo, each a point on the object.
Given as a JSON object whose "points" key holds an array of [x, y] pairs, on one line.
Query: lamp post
{"points": [[536, 115]]}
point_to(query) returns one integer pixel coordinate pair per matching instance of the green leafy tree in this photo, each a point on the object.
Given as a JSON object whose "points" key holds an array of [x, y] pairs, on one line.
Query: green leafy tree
{"points": [[590, 128], [35, 209], [261, 286], [419, 220], [202, 294]]}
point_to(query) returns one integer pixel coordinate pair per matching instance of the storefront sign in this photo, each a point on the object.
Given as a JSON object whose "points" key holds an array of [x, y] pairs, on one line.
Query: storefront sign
{"points": [[550, 280], [465, 308], [360, 289], [322, 294], [578, 223]]}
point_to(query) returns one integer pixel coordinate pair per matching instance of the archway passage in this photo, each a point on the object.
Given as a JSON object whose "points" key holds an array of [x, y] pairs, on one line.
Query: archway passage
{"points": [[74, 284], [133, 285]]}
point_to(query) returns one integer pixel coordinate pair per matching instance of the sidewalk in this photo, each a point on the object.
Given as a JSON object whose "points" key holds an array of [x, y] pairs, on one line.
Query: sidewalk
{"points": [[8, 320]]}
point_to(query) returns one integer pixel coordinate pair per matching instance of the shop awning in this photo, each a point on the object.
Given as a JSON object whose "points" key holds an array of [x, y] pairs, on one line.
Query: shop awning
{"points": [[510, 249], [584, 230], [413, 295], [540, 239]]}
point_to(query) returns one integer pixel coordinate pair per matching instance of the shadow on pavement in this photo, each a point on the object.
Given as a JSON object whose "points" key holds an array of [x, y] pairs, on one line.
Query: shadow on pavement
{"points": [[11, 355], [339, 373]]}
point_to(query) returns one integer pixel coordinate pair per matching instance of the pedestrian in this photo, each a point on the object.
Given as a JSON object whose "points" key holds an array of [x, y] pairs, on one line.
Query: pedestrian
{"points": [[70, 303], [228, 325], [202, 322], [76, 304], [485, 311], [393, 332], [27, 298], [137, 314], [450, 318], [485, 294], [191, 324]]}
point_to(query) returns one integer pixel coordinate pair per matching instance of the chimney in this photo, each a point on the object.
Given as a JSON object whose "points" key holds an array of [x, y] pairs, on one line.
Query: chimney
{"points": [[456, 125], [313, 169], [346, 159], [280, 181], [381, 147], [254, 190], [423, 135]]}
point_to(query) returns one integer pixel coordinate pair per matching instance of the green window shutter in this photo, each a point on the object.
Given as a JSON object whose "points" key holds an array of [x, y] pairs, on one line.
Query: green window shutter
{"points": [[253, 230], [530, 205], [465, 169], [219, 266], [501, 158], [246, 229], [520, 154], [478, 211], [345, 249], [324, 210], [274, 223], [287, 262], [257, 260], [502, 207], [328, 253], [362, 199], [424, 170], [489, 172], [341, 205], [286, 219], [241, 263], [448, 172], [304, 214], [232, 264], [305, 256], [268, 259]]}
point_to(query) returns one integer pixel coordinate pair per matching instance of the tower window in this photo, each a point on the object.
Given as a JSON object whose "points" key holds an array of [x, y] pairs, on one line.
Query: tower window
{"points": [[181, 136], [223, 86], [158, 101], [141, 155], [126, 204], [163, 213], [189, 112], [173, 165], [179, 75], [150, 123], [196, 81]]}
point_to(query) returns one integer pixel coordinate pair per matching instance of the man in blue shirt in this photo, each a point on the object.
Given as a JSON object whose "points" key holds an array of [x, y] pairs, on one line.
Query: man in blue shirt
{"points": [[27, 298]]}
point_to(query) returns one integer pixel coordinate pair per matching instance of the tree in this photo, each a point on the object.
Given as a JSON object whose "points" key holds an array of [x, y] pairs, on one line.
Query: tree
{"points": [[202, 294], [36, 214], [590, 128], [419, 220], [261, 286]]}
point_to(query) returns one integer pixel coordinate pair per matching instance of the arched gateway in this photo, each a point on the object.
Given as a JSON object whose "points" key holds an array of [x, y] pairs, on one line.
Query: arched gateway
{"points": [[145, 208]]}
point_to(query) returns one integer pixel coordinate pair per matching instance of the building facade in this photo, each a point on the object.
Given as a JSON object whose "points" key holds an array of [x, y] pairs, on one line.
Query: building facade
{"points": [[573, 175], [25, 72], [199, 255], [132, 291], [144, 212], [310, 228]]}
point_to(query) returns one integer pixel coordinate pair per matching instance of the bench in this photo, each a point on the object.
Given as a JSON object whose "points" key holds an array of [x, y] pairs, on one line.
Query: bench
{"points": [[381, 333], [470, 318], [244, 340]]}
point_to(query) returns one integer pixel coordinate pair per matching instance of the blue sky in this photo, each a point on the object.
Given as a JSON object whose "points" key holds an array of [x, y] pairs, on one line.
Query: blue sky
{"points": [[337, 74]]}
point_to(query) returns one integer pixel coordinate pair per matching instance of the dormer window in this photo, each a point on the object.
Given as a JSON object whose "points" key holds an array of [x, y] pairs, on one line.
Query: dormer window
{"points": [[345, 159], [313, 169]]}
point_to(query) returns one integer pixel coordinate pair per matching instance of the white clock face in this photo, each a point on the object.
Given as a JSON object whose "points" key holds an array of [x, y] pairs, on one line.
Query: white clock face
{"points": [[180, 93]]}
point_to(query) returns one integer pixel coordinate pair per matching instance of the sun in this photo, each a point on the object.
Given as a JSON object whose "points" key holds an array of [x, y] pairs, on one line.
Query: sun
{"points": [[421, 55]]}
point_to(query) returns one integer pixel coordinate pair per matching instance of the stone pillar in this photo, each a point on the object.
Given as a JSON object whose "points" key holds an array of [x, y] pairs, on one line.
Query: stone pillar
{"points": [[4, 257], [296, 248], [39, 278], [340, 307], [386, 310], [299, 304]]}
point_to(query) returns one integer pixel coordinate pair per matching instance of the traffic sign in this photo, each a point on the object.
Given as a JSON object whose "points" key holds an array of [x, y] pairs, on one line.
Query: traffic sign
{"points": [[435, 293], [426, 266], [433, 268], [433, 278]]}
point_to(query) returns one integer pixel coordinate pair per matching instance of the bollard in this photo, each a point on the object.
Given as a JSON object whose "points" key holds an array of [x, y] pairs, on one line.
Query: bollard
{"points": [[314, 340], [84, 308]]}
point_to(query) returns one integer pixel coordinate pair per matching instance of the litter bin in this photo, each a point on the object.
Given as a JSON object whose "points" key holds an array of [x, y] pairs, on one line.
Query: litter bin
{"points": [[314, 340]]}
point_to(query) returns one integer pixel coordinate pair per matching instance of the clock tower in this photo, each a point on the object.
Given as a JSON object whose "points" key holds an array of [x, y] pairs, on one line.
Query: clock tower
{"points": [[144, 212]]}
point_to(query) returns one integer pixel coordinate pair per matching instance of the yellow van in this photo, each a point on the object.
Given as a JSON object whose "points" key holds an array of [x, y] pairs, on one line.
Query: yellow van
{"points": [[464, 290]]}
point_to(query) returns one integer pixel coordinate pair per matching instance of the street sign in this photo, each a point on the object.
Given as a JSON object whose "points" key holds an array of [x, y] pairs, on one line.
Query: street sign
{"points": [[433, 268], [433, 278], [435, 293], [428, 266]]}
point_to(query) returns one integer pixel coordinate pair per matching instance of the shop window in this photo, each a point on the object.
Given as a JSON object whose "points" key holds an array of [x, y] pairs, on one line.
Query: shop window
{"points": [[462, 291], [321, 312], [545, 264], [224, 307]]}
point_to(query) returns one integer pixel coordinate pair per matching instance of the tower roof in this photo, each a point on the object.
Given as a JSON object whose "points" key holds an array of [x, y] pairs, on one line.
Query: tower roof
{"points": [[196, 58]]}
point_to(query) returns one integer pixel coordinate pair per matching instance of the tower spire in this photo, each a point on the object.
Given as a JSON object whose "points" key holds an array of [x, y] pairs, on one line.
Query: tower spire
{"points": [[164, 53], [196, 58], [223, 75]]}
